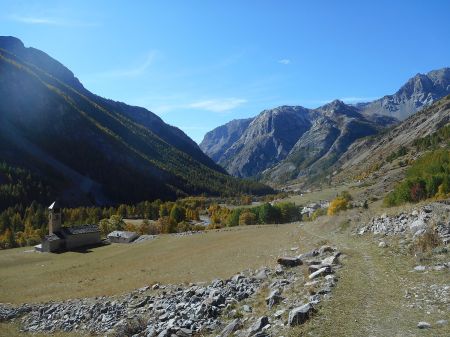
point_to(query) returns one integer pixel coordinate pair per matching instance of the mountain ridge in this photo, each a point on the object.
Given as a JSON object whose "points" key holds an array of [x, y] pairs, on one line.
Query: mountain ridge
{"points": [[278, 164], [96, 147]]}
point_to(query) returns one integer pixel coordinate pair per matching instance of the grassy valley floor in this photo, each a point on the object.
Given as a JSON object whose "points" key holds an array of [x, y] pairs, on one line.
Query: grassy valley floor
{"points": [[370, 299]]}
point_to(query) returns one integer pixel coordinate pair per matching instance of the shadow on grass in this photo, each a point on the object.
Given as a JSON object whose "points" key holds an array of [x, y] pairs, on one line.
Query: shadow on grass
{"points": [[84, 249]]}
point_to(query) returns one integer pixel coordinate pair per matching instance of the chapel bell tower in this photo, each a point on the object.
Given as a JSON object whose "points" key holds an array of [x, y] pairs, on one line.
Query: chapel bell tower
{"points": [[54, 218]]}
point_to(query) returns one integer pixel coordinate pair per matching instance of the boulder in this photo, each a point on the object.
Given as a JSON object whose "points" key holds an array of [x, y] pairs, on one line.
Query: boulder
{"points": [[289, 261], [247, 308], [330, 260], [321, 272], [274, 298], [257, 326], [261, 275], [312, 253], [326, 249], [418, 225], [423, 325], [300, 314], [314, 267], [231, 327], [279, 313], [184, 332]]}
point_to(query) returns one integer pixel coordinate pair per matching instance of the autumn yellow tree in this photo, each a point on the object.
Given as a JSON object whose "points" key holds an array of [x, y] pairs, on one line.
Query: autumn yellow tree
{"points": [[247, 218]]}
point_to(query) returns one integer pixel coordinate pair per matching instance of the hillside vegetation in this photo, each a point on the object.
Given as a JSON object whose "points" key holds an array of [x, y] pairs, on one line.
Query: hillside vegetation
{"points": [[93, 150], [427, 177]]}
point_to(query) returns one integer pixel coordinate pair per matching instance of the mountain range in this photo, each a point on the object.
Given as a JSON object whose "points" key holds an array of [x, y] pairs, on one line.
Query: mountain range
{"points": [[290, 142], [93, 150]]}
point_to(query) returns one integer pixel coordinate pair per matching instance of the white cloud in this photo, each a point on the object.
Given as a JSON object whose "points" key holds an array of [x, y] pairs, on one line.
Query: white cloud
{"points": [[132, 71], [218, 105], [284, 61], [49, 21], [212, 105]]}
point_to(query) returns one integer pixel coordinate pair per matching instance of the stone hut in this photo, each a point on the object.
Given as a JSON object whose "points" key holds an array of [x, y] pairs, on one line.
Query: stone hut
{"points": [[67, 238], [122, 236]]}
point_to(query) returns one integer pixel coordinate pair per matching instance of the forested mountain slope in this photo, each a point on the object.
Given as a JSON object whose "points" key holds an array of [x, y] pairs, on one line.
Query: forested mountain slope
{"points": [[92, 150]]}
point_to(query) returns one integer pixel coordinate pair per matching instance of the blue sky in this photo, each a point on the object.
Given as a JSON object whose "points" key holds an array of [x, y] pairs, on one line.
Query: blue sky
{"points": [[199, 64]]}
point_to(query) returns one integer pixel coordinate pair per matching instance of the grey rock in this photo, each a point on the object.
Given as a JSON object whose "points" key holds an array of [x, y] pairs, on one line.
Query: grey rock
{"points": [[300, 314], [165, 333], [184, 332], [321, 272], [247, 308], [279, 313], [328, 261], [289, 261], [326, 249], [309, 254], [231, 327], [258, 325], [274, 298], [423, 325], [314, 299], [314, 267], [261, 275]]}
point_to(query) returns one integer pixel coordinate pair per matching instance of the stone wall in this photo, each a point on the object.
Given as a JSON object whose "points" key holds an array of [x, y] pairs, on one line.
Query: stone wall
{"points": [[52, 246], [80, 240]]}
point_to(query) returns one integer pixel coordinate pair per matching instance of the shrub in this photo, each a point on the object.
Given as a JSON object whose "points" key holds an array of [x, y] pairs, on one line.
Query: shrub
{"points": [[233, 217], [426, 178], [319, 212], [399, 153], [346, 195], [289, 212], [427, 242], [177, 214], [247, 218], [268, 214], [338, 204]]}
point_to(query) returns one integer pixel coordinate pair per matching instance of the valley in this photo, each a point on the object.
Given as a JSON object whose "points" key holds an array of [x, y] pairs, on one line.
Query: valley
{"points": [[224, 169], [374, 283]]}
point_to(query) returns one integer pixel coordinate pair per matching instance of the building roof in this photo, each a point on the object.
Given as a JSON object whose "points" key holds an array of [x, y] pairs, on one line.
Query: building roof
{"points": [[53, 237], [123, 234], [80, 229]]}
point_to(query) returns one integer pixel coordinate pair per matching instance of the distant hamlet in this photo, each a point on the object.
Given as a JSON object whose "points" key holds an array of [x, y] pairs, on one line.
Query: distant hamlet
{"points": [[67, 238]]}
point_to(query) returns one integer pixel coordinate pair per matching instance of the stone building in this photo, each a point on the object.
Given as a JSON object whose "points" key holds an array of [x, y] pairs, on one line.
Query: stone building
{"points": [[122, 236], [67, 238]]}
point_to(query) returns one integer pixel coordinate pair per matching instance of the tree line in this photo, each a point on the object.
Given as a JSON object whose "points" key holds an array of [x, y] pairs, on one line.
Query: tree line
{"points": [[428, 177], [24, 226]]}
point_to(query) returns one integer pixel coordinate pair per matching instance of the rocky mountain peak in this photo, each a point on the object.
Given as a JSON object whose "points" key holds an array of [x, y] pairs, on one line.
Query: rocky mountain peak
{"points": [[11, 43], [39, 59], [338, 108], [418, 92]]}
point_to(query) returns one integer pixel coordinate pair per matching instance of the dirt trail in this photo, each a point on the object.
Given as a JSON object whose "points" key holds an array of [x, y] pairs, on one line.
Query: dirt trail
{"points": [[370, 297]]}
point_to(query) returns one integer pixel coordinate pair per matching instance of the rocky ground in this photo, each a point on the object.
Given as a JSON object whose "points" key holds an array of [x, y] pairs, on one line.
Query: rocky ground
{"points": [[222, 307], [423, 233], [434, 216], [388, 287]]}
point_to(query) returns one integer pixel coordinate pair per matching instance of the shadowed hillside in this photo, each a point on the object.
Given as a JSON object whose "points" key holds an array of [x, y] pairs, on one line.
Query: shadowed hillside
{"points": [[93, 150]]}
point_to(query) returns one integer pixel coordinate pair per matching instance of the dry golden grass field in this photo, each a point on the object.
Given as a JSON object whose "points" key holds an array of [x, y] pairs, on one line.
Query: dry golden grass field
{"points": [[117, 268], [369, 299]]}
